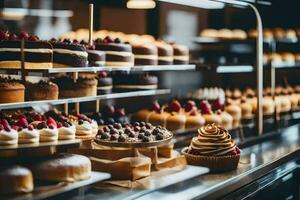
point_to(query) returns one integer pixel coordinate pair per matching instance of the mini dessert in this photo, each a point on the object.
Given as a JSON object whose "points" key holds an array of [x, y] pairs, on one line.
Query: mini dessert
{"points": [[165, 53], [67, 54], [239, 34], [43, 90], [213, 148], [11, 91], [8, 136], [225, 33], [82, 87], [117, 53], [105, 83], [138, 133], [226, 120], [27, 133], [247, 109], [208, 115], [15, 180], [210, 33], [181, 54], [135, 82], [235, 111], [85, 127], [66, 131], [38, 54], [193, 118], [156, 115], [62, 168], [145, 54], [48, 130], [176, 120]]}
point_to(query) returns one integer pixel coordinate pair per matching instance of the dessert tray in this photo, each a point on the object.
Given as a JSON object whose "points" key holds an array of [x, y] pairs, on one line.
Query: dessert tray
{"points": [[42, 190], [133, 136]]}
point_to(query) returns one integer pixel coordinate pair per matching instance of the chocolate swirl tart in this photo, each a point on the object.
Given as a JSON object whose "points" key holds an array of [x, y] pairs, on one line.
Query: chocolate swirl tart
{"points": [[213, 148]]}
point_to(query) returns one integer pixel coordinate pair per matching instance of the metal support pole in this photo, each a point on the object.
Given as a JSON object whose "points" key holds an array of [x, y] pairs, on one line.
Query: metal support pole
{"points": [[259, 69]]}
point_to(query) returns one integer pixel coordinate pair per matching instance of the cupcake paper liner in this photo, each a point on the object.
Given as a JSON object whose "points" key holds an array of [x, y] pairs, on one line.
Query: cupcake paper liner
{"points": [[214, 163]]}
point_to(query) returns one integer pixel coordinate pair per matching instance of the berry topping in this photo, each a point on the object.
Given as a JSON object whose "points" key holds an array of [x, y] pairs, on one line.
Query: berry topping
{"points": [[205, 107], [65, 124], [107, 39], [50, 120], [238, 151], [219, 112], [13, 37], [102, 74], [155, 107], [16, 128], [175, 106], [147, 133], [146, 139], [5, 123], [7, 128], [117, 40], [189, 105], [59, 124], [33, 38], [218, 104], [68, 41], [113, 131], [120, 112], [4, 35], [51, 126], [159, 136], [75, 41], [30, 127], [22, 122], [37, 117], [80, 122], [23, 35], [1, 127], [41, 125]]}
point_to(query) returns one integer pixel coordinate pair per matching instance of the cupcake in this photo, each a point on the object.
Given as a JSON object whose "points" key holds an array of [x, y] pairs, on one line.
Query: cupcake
{"points": [[213, 148]]}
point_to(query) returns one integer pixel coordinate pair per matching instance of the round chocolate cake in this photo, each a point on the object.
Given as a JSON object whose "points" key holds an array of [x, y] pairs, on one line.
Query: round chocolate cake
{"points": [[105, 83], [145, 54], [11, 90], [43, 90], [135, 82]]}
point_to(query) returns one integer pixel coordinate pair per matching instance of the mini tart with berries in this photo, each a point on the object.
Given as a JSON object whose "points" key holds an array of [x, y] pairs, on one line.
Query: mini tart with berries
{"points": [[193, 117], [48, 131], [117, 53], [27, 133], [8, 136], [66, 131], [209, 116], [38, 54], [138, 134], [68, 54], [213, 148], [177, 119]]}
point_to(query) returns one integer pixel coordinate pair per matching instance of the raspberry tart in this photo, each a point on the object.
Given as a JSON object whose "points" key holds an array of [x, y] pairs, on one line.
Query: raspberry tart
{"points": [[213, 148]]}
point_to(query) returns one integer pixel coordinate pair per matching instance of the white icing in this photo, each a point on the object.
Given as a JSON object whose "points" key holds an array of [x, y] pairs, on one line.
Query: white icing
{"points": [[8, 137], [84, 129], [28, 136], [47, 134], [150, 57], [165, 58], [184, 58], [119, 53], [66, 132], [94, 126], [27, 50], [67, 51], [105, 87], [118, 64], [136, 86]]}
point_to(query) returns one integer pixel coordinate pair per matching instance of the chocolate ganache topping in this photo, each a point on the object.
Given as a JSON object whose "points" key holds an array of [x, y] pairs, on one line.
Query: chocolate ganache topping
{"points": [[212, 141]]}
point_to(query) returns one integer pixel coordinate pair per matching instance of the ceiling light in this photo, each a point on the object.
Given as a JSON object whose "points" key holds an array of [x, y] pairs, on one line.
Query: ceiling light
{"points": [[140, 4]]}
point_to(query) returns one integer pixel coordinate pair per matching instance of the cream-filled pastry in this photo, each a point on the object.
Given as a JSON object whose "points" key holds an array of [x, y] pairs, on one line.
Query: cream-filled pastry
{"points": [[28, 135], [66, 131], [48, 133], [8, 136]]}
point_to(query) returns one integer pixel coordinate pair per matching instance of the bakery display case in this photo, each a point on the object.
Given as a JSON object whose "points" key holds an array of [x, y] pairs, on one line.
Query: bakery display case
{"points": [[143, 99]]}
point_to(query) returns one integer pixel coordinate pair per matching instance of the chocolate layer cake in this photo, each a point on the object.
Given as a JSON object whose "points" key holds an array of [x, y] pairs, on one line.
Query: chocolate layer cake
{"points": [[43, 90], [145, 54], [165, 53], [117, 53], [67, 54], [135, 82], [68, 88], [96, 58], [181, 54], [38, 54], [11, 90], [105, 83]]}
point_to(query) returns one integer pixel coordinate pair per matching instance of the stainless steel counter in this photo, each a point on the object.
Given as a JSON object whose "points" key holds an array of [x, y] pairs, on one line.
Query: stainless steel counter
{"points": [[256, 161]]}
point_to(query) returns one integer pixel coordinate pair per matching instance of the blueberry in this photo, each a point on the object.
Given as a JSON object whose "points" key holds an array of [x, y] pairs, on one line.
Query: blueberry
{"points": [[147, 133], [121, 138], [80, 122], [159, 136], [104, 136], [141, 135], [146, 139]]}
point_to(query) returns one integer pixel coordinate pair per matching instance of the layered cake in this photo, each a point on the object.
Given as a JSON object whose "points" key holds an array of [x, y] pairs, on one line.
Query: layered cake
{"points": [[117, 53], [96, 58], [181, 54], [83, 86], [67, 54], [213, 148], [105, 83], [43, 90], [145, 54], [38, 54], [11, 90], [135, 82], [165, 53]]}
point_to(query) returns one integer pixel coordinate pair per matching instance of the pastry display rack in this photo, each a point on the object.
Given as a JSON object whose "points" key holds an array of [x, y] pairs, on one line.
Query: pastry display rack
{"points": [[43, 191]]}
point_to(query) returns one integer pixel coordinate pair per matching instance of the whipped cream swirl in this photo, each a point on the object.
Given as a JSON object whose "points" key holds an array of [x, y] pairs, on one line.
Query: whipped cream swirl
{"points": [[212, 141]]}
